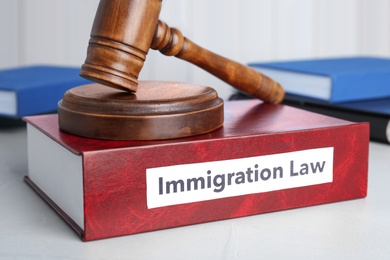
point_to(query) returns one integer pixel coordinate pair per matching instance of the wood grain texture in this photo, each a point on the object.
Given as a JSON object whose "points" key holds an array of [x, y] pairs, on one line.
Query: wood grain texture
{"points": [[121, 36], [159, 110], [123, 32], [171, 42]]}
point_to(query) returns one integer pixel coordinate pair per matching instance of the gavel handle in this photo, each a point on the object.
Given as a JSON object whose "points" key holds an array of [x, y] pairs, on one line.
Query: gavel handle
{"points": [[171, 42]]}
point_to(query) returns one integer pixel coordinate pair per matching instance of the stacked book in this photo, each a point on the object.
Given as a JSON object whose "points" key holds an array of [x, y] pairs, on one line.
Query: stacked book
{"points": [[265, 158], [351, 88], [35, 89]]}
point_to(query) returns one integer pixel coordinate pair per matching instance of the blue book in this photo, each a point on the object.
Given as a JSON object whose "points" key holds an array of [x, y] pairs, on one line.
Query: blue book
{"points": [[332, 80], [35, 89]]}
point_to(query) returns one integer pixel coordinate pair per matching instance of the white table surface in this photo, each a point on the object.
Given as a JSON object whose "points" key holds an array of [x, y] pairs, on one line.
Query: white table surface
{"points": [[357, 229]]}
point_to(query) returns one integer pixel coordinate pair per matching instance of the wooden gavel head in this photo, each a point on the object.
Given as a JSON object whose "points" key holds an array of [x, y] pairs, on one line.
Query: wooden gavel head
{"points": [[122, 34]]}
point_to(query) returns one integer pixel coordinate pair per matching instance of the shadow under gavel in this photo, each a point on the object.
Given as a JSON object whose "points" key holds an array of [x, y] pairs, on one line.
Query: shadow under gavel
{"points": [[125, 30]]}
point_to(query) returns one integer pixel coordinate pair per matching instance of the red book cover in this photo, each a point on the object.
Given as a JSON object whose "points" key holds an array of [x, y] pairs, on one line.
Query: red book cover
{"points": [[265, 158]]}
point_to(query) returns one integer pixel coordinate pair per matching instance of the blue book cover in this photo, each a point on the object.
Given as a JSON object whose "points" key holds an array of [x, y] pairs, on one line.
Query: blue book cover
{"points": [[34, 90], [332, 80]]}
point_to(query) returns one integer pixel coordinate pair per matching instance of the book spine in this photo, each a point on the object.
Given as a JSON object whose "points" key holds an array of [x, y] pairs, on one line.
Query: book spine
{"points": [[116, 187]]}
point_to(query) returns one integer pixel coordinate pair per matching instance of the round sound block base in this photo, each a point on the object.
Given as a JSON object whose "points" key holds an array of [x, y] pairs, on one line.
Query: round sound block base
{"points": [[159, 110]]}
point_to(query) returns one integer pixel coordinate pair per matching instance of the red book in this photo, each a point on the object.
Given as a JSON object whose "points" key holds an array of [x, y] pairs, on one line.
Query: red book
{"points": [[265, 158]]}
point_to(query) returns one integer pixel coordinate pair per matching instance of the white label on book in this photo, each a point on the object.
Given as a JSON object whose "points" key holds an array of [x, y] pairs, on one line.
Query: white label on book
{"points": [[187, 183]]}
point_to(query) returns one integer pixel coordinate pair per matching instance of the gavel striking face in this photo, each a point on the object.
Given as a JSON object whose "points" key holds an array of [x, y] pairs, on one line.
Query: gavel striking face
{"points": [[125, 30]]}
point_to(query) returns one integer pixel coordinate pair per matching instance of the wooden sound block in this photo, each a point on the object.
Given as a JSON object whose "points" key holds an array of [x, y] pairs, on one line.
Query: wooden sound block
{"points": [[158, 110]]}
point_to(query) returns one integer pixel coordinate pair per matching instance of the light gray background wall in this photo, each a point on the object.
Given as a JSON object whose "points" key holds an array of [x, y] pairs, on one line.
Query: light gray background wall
{"points": [[57, 32]]}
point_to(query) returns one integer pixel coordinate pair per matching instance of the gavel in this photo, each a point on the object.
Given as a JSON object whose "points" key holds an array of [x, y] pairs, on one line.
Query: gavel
{"points": [[122, 34], [119, 107]]}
